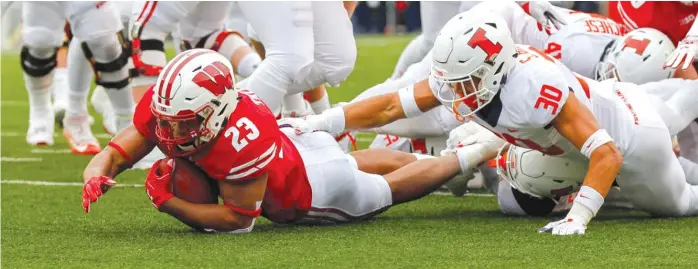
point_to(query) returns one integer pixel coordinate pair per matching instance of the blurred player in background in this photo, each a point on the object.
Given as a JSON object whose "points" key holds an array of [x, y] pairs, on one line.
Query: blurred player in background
{"points": [[261, 168], [95, 25]]}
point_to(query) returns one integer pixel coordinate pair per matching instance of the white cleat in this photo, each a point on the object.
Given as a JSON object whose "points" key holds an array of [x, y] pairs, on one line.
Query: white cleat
{"points": [[40, 132], [100, 102], [76, 130]]}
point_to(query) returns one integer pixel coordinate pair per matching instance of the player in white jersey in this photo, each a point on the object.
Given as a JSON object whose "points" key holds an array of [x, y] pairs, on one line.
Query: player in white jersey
{"points": [[531, 100], [95, 25]]}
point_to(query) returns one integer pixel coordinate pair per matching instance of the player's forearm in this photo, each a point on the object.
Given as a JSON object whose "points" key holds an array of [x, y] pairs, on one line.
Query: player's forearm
{"points": [[104, 163], [604, 165], [373, 112], [205, 216]]}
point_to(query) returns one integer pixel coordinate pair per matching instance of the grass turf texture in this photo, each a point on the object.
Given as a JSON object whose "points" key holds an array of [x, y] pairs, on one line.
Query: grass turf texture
{"points": [[44, 226]]}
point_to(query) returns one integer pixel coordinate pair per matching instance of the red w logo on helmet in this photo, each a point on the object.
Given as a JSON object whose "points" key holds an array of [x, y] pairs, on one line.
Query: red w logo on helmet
{"points": [[215, 77], [480, 40], [638, 45]]}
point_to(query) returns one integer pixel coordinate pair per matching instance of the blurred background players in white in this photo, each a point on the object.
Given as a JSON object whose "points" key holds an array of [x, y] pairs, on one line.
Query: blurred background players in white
{"points": [[95, 25]]}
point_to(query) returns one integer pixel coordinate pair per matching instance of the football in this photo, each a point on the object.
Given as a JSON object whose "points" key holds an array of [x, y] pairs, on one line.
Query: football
{"points": [[191, 184]]}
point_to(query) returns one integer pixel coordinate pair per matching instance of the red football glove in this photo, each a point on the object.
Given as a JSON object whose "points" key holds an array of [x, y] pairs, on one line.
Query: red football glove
{"points": [[157, 185], [93, 189]]}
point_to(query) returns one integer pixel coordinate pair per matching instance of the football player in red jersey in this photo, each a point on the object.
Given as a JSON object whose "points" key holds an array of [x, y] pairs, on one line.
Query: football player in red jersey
{"points": [[676, 19], [194, 111]]}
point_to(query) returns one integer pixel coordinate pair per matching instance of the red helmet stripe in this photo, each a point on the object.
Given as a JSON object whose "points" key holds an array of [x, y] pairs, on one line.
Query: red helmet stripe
{"points": [[180, 65], [164, 74]]}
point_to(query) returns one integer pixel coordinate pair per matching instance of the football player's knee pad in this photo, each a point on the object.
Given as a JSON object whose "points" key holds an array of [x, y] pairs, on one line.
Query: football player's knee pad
{"points": [[147, 51], [110, 60], [38, 62]]}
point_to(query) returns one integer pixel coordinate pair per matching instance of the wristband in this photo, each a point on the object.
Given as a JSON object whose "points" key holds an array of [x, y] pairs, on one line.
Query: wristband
{"points": [[249, 213], [409, 104], [586, 204], [597, 139]]}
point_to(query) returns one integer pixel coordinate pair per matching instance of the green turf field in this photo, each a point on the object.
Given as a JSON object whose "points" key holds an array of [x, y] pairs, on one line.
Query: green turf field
{"points": [[45, 227]]}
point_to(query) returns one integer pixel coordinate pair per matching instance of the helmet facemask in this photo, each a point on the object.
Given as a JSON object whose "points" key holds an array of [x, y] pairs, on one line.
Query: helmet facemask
{"points": [[185, 133], [607, 69], [469, 90]]}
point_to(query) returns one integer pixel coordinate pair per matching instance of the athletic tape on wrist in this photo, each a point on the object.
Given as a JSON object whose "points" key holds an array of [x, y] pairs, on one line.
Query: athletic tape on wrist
{"points": [[336, 120], [589, 198], [409, 104], [599, 138]]}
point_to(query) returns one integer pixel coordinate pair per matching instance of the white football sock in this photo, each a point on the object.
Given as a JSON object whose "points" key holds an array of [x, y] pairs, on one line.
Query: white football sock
{"points": [[79, 79]]}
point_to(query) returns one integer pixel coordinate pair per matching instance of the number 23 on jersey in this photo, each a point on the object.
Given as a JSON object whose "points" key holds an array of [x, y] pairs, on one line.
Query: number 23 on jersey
{"points": [[242, 133]]}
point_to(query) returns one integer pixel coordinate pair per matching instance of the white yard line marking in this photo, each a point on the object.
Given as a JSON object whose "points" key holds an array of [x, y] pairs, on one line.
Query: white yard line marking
{"points": [[16, 134], [19, 160], [50, 151], [52, 183]]}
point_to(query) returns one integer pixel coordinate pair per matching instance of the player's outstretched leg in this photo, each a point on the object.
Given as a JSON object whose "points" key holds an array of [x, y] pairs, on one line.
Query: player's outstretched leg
{"points": [[285, 29], [652, 177]]}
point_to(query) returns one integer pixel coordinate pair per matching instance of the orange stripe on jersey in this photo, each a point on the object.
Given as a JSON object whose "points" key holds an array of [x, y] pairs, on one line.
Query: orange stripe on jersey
{"points": [[584, 85]]}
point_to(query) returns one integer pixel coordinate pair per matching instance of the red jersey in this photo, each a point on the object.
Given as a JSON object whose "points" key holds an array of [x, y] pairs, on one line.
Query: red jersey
{"points": [[671, 18], [249, 146]]}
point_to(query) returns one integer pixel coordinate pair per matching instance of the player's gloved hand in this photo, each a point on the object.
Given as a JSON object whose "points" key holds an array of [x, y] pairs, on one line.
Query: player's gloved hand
{"points": [[545, 13], [300, 125], [157, 184], [472, 133], [684, 53], [567, 226], [93, 189]]}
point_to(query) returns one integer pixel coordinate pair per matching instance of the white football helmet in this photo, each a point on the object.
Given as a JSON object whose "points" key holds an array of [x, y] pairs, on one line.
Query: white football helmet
{"points": [[471, 47], [540, 175], [638, 57], [193, 97]]}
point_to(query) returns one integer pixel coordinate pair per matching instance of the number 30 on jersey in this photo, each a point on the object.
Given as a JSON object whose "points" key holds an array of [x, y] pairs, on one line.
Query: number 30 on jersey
{"points": [[251, 133]]}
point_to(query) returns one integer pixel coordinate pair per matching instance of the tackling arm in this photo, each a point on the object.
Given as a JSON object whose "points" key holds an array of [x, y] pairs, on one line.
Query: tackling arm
{"points": [[125, 149], [378, 110], [241, 205], [578, 125]]}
